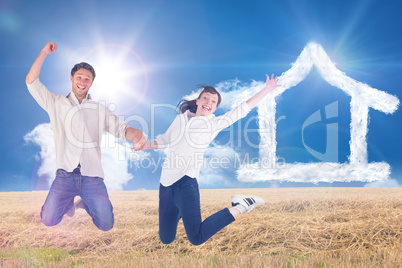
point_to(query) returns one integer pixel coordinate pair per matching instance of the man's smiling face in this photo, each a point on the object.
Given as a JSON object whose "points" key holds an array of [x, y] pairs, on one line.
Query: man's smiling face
{"points": [[82, 82]]}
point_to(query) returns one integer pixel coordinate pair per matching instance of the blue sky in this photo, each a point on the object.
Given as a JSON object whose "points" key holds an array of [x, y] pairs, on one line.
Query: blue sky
{"points": [[157, 52]]}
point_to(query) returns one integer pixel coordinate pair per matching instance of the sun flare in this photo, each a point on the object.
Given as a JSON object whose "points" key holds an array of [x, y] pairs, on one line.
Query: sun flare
{"points": [[121, 76]]}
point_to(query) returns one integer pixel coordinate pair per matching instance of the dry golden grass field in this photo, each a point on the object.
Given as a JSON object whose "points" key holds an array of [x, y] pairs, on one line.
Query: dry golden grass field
{"points": [[298, 227]]}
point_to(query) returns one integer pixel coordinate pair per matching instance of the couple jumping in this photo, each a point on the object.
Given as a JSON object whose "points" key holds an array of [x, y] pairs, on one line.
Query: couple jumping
{"points": [[78, 124]]}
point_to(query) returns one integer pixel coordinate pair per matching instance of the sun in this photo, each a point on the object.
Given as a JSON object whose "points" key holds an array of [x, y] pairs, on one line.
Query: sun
{"points": [[121, 76]]}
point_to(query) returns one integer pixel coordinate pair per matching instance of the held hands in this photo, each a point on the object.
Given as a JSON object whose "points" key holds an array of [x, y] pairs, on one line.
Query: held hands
{"points": [[146, 146], [140, 143], [136, 136]]}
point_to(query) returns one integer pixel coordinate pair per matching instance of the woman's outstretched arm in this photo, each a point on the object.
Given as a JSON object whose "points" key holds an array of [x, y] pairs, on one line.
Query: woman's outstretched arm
{"points": [[270, 85]]}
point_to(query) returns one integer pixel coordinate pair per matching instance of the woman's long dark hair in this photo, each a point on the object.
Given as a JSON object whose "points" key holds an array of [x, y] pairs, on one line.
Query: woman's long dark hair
{"points": [[191, 105]]}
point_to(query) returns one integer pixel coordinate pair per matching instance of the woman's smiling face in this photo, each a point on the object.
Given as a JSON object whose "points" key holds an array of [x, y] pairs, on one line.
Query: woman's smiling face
{"points": [[206, 104]]}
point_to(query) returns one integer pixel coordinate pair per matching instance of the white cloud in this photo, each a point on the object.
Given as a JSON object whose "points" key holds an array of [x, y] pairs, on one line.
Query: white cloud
{"points": [[115, 162], [390, 183], [313, 172], [116, 157], [217, 159], [362, 98], [42, 135], [220, 152]]}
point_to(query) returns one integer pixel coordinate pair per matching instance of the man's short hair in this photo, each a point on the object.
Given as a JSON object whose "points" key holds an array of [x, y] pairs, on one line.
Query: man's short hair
{"points": [[83, 65]]}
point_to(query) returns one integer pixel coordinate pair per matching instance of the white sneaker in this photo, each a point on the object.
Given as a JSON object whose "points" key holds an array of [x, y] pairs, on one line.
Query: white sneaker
{"points": [[71, 212], [78, 204], [247, 201]]}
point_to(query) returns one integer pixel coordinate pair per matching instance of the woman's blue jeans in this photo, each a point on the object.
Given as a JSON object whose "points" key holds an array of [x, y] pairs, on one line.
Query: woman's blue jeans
{"points": [[92, 190], [181, 200]]}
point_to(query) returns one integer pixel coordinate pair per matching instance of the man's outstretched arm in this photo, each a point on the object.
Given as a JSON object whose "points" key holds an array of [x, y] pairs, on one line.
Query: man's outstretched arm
{"points": [[34, 72]]}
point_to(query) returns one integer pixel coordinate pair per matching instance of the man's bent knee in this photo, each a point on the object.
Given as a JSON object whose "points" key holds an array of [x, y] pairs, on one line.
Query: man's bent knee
{"points": [[49, 221], [105, 225]]}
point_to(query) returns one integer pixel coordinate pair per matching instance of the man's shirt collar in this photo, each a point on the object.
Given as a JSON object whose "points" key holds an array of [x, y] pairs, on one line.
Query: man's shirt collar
{"points": [[72, 96]]}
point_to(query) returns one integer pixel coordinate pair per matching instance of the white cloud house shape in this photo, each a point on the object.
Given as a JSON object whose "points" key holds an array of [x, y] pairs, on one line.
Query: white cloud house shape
{"points": [[362, 97]]}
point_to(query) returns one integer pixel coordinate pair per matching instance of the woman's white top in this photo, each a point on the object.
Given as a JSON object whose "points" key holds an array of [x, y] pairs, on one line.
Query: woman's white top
{"points": [[186, 140]]}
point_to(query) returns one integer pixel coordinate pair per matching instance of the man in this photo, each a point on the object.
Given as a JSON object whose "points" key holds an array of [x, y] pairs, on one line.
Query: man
{"points": [[78, 123]]}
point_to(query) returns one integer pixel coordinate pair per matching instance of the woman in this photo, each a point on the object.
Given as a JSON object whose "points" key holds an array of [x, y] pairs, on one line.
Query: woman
{"points": [[186, 139]]}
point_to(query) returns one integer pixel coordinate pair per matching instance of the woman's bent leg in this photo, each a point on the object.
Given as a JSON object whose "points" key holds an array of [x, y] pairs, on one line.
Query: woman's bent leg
{"points": [[187, 198], [169, 215]]}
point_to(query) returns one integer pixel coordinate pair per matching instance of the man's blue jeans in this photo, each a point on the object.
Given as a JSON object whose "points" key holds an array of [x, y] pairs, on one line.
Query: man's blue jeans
{"points": [[92, 190], [182, 200]]}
